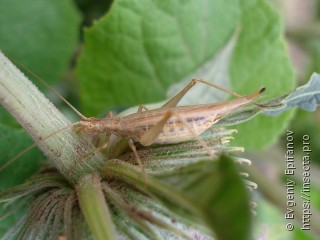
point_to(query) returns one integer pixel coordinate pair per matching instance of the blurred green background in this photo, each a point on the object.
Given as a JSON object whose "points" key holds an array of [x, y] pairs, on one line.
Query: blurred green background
{"points": [[70, 29]]}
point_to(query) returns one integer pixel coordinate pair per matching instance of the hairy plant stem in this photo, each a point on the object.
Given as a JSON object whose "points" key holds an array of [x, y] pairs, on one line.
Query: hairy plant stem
{"points": [[65, 150], [40, 118]]}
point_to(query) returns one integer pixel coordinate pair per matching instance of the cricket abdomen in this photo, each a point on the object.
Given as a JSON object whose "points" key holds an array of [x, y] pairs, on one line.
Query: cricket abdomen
{"points": [[185, 124], [176, 131]]}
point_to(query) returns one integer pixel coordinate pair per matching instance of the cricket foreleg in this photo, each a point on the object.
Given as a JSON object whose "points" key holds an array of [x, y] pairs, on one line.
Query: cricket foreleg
{"points": [[102, 146], [90, 153]]}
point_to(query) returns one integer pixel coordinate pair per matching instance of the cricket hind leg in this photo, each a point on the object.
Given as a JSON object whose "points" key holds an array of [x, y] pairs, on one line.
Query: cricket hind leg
{"points": [[147, 139], [176, 99], [151, 135], [195, 136], [142, 107]]}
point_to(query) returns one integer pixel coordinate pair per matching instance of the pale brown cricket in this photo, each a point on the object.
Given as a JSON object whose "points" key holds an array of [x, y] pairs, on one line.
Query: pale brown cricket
{"points": [[168, 124]]}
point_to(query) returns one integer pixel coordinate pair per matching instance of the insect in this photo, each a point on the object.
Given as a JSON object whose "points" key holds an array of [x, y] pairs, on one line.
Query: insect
{"points": [[168, 124]]}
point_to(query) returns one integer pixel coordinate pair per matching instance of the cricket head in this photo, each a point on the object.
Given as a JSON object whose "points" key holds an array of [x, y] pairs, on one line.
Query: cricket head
{"points": [[97, 125]]}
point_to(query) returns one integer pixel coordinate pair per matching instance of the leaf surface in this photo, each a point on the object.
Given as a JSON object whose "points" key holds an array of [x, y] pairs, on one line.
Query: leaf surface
{"points": [[130, 58], [42, 35], [261, 59]]}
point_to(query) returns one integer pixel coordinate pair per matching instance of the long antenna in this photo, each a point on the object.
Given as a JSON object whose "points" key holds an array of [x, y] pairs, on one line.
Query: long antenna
{"points": [[33, 145], [48, 86]]}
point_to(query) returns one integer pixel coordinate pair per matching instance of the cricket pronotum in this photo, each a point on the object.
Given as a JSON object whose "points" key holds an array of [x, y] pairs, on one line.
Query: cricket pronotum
{"points": [[168, 124]]}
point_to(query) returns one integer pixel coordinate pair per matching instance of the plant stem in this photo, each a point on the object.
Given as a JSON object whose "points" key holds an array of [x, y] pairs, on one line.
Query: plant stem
{"points": [[94, 208], [40, 118], [65, 150]]}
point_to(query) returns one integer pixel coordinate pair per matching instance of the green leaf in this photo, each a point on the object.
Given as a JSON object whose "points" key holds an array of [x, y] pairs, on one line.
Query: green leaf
{"points": [[270, 223], [11, 143], [207, 198], [42, 35], [130, 58], [261, 59]]}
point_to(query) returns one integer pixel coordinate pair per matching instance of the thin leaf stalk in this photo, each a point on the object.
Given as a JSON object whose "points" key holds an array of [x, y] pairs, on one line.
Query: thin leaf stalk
{"points": [[94, 208]]}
